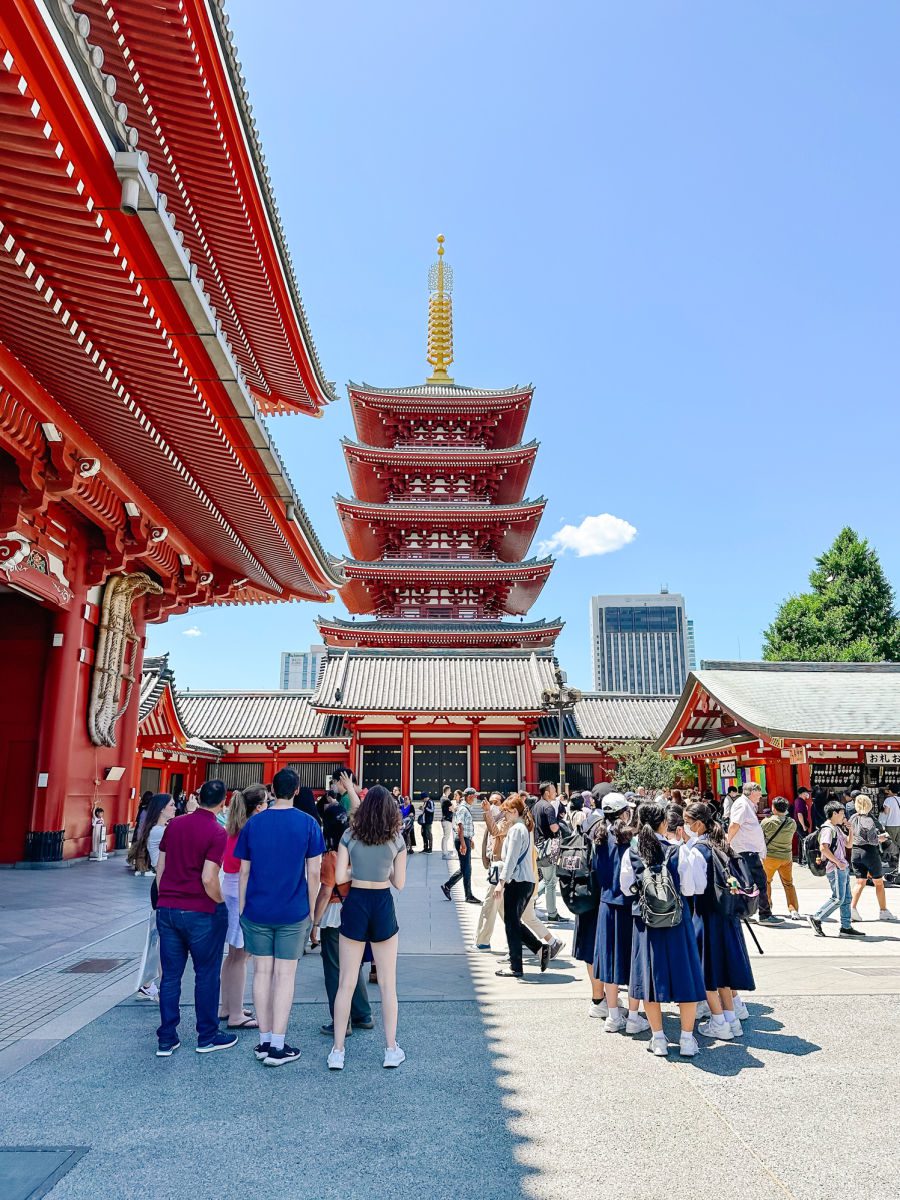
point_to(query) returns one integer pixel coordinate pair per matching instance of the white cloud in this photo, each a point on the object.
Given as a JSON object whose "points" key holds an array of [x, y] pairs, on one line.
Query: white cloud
{"points": [[192, 631], [595, 535]]}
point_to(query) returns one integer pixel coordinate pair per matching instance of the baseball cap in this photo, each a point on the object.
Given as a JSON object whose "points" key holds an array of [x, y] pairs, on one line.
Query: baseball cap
{"points": [[614, 802], [470, 791]]}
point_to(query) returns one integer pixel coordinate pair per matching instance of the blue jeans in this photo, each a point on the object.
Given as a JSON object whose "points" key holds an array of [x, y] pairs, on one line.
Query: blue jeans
{"points": [[840, 897], [202, 936]]}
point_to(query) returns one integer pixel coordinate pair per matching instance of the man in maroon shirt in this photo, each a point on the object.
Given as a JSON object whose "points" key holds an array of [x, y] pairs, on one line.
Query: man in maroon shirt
{"points": [[192, 920]]}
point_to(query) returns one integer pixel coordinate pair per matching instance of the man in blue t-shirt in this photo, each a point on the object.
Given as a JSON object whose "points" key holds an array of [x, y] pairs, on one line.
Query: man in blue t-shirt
{"points": [[281, 858]]}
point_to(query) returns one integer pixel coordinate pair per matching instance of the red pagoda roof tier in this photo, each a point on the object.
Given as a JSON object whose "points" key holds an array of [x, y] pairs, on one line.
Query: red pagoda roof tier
{"points": [[176, 69], [384, 587], [425, 634], [493, 476], [122, 349], [439, 416], [371, 529]]}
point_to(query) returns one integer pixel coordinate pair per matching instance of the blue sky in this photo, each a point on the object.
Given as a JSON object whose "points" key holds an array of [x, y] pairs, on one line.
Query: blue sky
{"points": [[678, 220]]}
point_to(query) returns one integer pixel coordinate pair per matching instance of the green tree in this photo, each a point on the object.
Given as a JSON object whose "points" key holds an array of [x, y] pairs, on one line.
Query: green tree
{"points": [[642, 766], [849, 616]]}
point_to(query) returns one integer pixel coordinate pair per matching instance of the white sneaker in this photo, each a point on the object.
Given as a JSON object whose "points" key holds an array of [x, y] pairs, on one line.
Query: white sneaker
{"points": [[615, 1022], [336, 1060], [636, 1023], [149, 991], [737, 1029], [854, 914], [716, 1027], [703, 1010], [885, 915], [688, 1045], [599, 1010], [393, 1057], [658, 1045], [740, 1009]]}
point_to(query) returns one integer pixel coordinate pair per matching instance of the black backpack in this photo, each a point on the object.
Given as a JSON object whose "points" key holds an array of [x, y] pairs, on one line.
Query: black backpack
{"points": [[575, 873], [814, 860], [659, 904], [734, 892]]}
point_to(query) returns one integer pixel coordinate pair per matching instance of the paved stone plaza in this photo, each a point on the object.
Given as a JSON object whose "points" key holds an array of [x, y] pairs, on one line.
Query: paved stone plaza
{"points": [[509, 1090]]}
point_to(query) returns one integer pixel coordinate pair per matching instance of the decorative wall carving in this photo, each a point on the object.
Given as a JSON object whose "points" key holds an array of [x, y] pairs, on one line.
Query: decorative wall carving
{"points": [[115, 660]]}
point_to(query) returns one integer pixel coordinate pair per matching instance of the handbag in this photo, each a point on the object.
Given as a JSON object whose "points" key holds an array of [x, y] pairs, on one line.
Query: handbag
{"points": [[493, 875]]}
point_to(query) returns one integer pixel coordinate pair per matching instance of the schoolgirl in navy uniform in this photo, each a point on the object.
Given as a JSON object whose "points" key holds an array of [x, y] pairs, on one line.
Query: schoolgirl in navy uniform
{"points": [[720, 939], [665, 963], [612, 950]]}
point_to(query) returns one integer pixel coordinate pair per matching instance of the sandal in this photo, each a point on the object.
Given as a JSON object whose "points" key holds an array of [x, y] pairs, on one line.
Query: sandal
{"points": [[506, 973], [248, 1022]]}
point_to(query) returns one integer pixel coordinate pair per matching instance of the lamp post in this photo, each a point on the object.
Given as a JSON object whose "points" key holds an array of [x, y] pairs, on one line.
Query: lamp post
{"points": [[560, 698]]}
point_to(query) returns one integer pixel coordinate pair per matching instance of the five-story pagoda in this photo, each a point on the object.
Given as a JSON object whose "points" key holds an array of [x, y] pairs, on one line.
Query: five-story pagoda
{"points": [[432, 685], [438, 526]]}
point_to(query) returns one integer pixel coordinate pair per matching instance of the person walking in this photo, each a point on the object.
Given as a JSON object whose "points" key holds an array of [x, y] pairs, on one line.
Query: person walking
{"points": [[280, 851], [665, 961], [834, 842], [447, 807], [546, 836], [328, 916], [192, 921], [890, 819], [514, 887], [778, 831], [426, 820], [496, 827], [865, 857], [465, 840], [243, 806], [159, 811], [371, 858], [746, 838], [720, 939]]}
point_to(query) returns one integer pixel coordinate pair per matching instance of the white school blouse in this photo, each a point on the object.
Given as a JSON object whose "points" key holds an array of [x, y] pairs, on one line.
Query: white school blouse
{"points": [[691, 870]]}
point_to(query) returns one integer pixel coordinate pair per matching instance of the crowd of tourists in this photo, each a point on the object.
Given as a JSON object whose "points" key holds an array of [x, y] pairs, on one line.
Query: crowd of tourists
{"points": [[661, 884]]}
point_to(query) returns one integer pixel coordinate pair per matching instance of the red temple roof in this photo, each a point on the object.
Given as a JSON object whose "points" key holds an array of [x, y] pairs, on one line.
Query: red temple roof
{"points": [[499, 476], [425, 634], [467, 415], [176, 69], [108, 334], [509, 528], [509, 588]]}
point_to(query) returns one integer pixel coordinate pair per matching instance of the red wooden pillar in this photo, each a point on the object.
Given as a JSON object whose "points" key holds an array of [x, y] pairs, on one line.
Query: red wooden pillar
{"points": [[352, 752], [475, 753], [64, 708], [529, 759], [406, 757], [804, 776], [701, 775]]}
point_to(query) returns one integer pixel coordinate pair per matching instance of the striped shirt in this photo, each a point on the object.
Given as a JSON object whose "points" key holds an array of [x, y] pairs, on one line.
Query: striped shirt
{"points": [[463, 816]]}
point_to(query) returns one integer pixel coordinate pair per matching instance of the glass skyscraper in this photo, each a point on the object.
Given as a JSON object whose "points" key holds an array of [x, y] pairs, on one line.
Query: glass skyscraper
{"points": [[300, 668], [642, 645]]}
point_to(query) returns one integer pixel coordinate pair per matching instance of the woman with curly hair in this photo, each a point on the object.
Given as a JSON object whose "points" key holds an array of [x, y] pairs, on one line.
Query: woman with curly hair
{"points": [[371, 858]]}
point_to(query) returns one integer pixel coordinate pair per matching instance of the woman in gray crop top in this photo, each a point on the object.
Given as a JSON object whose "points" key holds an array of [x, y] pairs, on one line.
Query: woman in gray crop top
{"points": [[372, 859]]}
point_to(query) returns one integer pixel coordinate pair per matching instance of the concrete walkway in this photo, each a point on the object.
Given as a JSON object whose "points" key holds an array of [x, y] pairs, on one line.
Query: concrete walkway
{"points": [[509, 1089]]}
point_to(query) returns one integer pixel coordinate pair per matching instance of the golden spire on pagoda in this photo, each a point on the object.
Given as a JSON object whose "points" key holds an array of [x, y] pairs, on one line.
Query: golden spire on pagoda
{"points": [[440, 318]]}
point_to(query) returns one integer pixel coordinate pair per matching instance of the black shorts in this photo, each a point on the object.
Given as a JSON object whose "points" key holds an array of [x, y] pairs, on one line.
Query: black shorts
{"points": [[367, 915], [865, 861]]}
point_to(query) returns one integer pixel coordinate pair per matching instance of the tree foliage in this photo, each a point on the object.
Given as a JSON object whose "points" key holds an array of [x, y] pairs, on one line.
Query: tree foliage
{"points": [[639, 765], [848, 616]]}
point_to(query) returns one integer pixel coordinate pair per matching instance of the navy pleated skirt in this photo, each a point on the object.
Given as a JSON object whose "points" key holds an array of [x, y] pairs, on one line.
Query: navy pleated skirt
{"points": [[723, 953], [585, 936], [612, 953], [665, 963]]}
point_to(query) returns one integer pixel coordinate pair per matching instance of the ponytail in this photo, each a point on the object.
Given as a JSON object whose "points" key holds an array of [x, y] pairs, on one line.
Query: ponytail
{"points": [[706, 815], [650, 816]]}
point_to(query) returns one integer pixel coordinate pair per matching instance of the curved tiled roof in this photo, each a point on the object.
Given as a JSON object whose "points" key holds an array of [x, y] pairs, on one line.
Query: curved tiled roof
{"points": [[238, 716], [392, 681], [440, 391]]}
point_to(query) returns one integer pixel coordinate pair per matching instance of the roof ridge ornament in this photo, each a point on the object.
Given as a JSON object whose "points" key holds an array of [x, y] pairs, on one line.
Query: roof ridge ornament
{"points": [[440, 317]]}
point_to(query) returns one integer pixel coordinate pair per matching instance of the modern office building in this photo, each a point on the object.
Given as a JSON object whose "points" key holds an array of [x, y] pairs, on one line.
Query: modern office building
{"points": [[691, 647], [642, 645], [300, 668]]}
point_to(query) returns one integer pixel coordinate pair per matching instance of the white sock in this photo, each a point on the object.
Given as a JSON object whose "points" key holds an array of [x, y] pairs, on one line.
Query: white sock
{"points": [[265, 1038], [729, 1015], [277, 1041], [660, 1034]]}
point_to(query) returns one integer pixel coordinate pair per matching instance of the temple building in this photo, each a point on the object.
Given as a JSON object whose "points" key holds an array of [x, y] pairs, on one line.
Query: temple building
{"points": [[149, 320]]}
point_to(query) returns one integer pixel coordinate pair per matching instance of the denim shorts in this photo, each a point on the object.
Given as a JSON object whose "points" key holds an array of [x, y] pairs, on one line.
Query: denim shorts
{"points": [[275, 941], [367, 915], [866, 860]]}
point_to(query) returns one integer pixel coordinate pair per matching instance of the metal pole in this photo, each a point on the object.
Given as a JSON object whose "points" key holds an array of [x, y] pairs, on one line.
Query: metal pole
{"points": [[562, 750]]}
